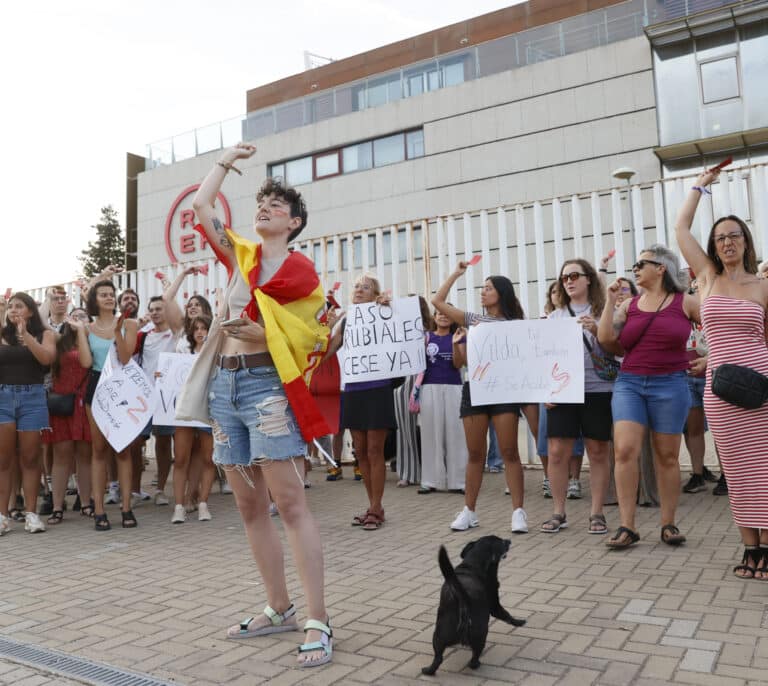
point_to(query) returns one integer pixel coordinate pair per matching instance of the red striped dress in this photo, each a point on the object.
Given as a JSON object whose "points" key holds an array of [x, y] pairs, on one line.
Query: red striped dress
{"points": [[735, 331]]}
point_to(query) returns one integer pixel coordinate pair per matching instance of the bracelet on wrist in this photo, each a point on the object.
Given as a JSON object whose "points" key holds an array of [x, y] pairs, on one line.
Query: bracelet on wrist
{"points": [[229, 167], [702, 190]]}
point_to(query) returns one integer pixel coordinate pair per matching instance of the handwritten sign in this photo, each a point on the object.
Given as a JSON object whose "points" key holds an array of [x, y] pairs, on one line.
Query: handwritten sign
{"points": [[123, 403], [173, 369], [526, 361], [383, 341]]}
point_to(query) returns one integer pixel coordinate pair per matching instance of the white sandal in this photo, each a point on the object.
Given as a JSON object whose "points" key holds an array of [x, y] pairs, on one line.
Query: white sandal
{"points": [[280, 622], [325, 644]]}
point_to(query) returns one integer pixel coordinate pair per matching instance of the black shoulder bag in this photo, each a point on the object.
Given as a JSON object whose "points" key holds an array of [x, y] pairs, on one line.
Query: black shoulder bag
{"points": [[63, 404], [740, 386]]}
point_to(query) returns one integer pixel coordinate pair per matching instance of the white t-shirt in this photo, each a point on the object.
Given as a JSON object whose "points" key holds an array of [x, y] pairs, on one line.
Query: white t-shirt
{"points": [[156, 342]]}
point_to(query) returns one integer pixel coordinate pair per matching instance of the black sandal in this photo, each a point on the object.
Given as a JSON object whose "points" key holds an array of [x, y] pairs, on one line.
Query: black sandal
{"points": [[129, 521], [752, 554], [87, 510], [762, 565], [623, 538], [16, 514], [674, 537], [57, 517], [101, 523], [77, 505]]}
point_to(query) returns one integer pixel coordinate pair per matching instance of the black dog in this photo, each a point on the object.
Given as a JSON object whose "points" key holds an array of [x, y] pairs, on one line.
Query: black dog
{"points": [[469, 598]]}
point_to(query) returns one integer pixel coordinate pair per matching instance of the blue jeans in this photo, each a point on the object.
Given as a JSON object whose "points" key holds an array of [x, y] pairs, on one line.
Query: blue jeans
{"points": [[25, 405], [251, 418], [494, 456], [660, 402]]}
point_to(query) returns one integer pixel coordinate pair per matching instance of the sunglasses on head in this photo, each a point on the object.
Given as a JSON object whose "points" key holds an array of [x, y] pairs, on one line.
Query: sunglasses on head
{"points": [[571, 276], [641, 263]]}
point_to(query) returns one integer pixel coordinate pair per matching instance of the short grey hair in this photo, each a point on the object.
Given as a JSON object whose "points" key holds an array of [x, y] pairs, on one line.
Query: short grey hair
{"points": [[671, 280]]}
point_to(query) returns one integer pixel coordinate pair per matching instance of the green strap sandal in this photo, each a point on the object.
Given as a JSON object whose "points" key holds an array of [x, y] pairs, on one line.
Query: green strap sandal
{"points": [[325, 644], [280, 622]]}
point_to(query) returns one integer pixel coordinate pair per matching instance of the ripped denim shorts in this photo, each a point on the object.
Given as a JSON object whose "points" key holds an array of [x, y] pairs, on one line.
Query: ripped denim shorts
{"points": [[252, 421]]}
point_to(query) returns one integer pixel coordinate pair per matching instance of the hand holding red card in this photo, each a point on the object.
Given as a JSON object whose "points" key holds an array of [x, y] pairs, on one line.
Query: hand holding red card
{"points": [[159, 275], [474, 260], [203, 270], [722, 165]]}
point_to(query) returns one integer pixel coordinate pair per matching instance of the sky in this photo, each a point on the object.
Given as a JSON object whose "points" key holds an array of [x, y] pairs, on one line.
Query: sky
{"points": [[84, 82]]}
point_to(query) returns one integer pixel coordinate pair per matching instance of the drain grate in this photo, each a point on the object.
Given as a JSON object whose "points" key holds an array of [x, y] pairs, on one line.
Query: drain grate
{"points": [[75, 667]]}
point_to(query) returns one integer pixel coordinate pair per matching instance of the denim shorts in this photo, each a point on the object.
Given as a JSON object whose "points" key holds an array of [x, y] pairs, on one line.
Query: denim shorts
{"points": [[24, 405], [660, 402], [696, 386], [252, 421]]}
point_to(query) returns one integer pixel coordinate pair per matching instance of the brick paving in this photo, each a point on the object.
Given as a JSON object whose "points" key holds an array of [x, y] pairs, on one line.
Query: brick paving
{"points": [[157, 600]]}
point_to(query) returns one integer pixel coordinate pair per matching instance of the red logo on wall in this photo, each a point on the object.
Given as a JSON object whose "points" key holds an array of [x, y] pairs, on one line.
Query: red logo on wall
{"points": [[180, 236]]}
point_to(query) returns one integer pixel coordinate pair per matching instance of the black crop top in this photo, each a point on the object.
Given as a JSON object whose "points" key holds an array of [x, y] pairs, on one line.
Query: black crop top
{"points": [[18, 366]]}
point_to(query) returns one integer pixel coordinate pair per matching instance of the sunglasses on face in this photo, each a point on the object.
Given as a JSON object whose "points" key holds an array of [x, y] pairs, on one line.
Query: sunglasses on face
{"points": [[637, 266], [571, 276], [733, 236]]}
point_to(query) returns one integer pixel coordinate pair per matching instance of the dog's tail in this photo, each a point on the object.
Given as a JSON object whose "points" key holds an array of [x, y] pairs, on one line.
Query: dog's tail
{"points": [[450, 575]]}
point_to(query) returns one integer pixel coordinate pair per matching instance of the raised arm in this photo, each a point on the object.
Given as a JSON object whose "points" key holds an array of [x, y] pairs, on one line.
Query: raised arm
{"points": [[125, 342], [173, 313], [83, 347], [205, 198], [612, 321], [440, 301], [692, 252]]}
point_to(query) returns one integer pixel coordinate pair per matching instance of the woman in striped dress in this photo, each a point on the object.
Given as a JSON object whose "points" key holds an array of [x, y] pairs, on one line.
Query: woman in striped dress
{"points": [[733, 312]]}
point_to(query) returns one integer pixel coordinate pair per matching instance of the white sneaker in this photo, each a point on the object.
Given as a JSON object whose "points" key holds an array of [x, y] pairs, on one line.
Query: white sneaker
{"points": [[574, 489], [203, 513], [5, 524], [506, 490], [273, 510], [33, 523], [161, 499], [466, 519], [141, 495], [179, 515], [226, 489], [113, 495], [519, 521]]}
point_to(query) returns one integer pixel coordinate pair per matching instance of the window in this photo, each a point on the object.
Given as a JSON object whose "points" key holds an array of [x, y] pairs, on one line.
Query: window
{"points": [[402, 246], [414, 144], [371, 251], [330, 256], [388, 150], [357, 252], [386, 246], [719, 80], [327, 164], [418, 247], [343, 251], [383, 90], [298, 171], [316, 255], [357, 157], [351, 158]]}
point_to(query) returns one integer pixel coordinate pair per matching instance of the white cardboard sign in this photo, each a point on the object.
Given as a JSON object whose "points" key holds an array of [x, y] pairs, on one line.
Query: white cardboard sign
{"points": [[383, 341], [124, 401], [526, 361], [172, 369]]}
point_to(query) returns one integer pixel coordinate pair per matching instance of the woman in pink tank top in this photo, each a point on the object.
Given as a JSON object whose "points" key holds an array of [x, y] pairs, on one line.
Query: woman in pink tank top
{"points": [[651, 392]]}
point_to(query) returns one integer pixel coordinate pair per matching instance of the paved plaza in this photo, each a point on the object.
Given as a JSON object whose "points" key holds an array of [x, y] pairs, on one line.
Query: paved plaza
{"points": [[157, 600]]}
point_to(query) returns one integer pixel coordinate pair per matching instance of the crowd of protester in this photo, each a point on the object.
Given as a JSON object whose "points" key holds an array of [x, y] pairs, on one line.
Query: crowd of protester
{"points": [[650, 345]]}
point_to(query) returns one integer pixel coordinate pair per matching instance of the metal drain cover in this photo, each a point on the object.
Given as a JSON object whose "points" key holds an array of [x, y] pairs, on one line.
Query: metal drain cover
{"points": [[75, 667]]}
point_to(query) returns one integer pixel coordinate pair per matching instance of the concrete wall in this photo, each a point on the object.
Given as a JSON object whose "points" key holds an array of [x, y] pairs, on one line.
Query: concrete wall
{"points": [[550, 129]]}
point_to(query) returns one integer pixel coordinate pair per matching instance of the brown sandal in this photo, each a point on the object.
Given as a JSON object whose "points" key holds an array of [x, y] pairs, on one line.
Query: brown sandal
{"points": [[372, 522], [673, 536], [359, 520]]}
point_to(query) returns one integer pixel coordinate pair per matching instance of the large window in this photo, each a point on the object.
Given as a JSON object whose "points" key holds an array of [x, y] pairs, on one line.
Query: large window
{"points": [[377, 152]]}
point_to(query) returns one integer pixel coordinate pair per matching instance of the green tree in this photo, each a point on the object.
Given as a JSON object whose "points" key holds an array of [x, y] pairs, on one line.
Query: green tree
{"points": [[109, 246]]}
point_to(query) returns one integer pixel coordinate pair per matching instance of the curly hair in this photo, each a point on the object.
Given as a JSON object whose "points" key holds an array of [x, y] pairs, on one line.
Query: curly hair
{"points": [[595, 292], [276, 186]]}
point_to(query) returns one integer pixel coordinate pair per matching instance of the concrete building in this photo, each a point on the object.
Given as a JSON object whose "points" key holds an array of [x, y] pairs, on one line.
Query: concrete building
{"points": [[496, 135]]}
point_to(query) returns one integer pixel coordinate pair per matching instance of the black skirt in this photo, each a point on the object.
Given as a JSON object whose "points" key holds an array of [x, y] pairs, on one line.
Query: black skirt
{"points": [[369, 409]]}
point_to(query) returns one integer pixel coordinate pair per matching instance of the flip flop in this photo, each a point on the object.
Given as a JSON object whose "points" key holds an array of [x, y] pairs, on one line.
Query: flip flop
{"points": [[619, 543], [674, 537]]}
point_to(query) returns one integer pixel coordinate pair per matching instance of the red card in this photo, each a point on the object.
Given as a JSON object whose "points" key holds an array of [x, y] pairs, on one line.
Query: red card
{"points": [[8, 292], [474, 260], [203, 270], [611, 252], [332, 302], [336, 285], [724, 163], [159, 275]]}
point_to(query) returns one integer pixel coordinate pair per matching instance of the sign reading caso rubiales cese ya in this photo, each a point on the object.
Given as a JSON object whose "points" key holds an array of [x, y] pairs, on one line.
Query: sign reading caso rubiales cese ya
{"points": [[182, 242]]}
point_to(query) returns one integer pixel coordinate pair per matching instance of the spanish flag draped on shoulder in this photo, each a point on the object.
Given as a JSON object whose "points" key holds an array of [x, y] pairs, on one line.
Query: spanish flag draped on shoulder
{"points": [[291, 304]]}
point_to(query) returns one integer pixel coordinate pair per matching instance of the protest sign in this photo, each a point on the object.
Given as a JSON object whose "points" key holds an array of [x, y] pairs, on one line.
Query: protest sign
{"points": [[526, 361], [382, 341], [172, 370], [124, 401]]}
